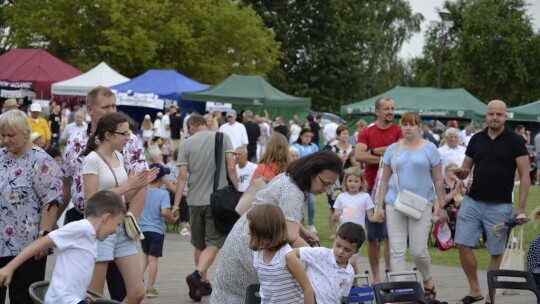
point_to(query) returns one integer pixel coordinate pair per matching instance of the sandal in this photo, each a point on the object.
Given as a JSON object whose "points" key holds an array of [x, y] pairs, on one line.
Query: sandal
{"points": [[430, 293]]}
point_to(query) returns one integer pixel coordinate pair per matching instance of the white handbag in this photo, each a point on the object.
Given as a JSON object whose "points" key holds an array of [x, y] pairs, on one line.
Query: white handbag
{"points": [[407, 203]]}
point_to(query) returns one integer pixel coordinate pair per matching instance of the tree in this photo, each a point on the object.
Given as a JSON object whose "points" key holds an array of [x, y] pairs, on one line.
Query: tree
{"points": [[204, 39], [492, 57], [337, 51]]}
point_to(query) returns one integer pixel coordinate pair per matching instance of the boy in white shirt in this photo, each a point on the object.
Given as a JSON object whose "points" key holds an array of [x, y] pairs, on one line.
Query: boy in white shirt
{"points": [[76, 245], [329, 269]]}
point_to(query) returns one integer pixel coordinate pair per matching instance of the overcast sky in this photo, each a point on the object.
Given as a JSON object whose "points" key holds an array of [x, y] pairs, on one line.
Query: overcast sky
{"points": [[429, 8]]}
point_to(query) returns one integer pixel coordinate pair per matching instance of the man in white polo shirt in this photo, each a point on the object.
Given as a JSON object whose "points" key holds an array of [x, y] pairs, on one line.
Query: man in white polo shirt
{"points": [[236, 131]]}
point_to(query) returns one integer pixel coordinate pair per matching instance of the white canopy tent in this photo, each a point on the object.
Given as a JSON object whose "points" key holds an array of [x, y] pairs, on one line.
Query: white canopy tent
{"points": [[101, 75]]}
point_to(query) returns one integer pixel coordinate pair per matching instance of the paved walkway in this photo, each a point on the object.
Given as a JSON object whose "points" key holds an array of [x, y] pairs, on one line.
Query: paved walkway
{"points": [[177, 262]]}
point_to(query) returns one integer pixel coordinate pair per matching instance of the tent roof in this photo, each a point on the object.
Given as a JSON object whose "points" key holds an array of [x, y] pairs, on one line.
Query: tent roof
{"points": [[528, 112], [428, 102], [248, 90], [101, 75], [35, 69], [168, 84]]}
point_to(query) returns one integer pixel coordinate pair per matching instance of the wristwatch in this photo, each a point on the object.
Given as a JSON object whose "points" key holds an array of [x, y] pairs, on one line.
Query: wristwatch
{"points": [[43, 232]]}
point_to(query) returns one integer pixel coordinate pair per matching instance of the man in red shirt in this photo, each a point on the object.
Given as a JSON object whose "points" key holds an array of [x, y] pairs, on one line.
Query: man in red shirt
{"points": [[372, 143]]}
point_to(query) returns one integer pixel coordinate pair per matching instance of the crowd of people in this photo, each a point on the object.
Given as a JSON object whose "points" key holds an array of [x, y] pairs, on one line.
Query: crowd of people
{"points": [[111, 171]]}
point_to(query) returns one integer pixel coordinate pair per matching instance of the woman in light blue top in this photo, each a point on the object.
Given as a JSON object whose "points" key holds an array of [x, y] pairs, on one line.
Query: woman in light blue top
{"points": [[418, 166], [304, 144]]}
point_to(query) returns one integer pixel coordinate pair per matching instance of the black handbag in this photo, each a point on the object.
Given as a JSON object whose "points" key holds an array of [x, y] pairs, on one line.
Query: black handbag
{"points": [[223, 201]]}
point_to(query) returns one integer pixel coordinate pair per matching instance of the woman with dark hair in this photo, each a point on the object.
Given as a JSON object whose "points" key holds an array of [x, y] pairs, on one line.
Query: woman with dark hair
{"points": [[314, 174], [103, 170], [304, 144]]}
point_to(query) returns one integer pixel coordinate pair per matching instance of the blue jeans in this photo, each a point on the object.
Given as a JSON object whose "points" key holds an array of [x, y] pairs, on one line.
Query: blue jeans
{"points": [[311, 209]]}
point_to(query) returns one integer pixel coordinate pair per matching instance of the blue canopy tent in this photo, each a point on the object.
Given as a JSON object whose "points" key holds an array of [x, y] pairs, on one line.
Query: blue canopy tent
{"points": [[154, 91]]}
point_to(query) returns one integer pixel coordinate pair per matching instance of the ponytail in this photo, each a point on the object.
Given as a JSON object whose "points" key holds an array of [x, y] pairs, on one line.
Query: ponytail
{"points": [[90, 145]]}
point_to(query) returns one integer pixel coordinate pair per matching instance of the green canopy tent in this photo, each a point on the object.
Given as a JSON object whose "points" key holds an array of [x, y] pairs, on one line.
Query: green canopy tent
{"points": [[428, 102], [253, 93], [529, 112]]}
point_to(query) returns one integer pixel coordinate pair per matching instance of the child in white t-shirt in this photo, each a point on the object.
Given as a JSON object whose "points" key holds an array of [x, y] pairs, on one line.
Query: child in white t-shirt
{"points": [[330, 269], [280, 272], [354, 203], [76, 249]]}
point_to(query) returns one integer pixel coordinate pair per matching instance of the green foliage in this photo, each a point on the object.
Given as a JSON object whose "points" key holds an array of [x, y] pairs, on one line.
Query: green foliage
{"points": [[204, 39], [491, 51], [339, 51]]}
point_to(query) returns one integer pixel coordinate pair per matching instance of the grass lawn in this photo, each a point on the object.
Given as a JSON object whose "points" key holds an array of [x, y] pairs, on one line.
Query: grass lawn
{"points": [[447, 258]]}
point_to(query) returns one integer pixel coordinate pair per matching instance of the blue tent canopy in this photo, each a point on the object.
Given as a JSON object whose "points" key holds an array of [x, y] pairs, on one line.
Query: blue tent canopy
{"points": [[154, 91]]}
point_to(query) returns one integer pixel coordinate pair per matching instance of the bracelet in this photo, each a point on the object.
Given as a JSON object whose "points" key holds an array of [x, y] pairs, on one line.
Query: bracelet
{"points": [[175, 207]]}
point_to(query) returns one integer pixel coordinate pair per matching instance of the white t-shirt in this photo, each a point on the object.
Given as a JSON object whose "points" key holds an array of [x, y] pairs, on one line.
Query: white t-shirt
{"points": [[165, 123], [237, 132], [294, 133], [353, 207], [244, 175], [329, 281], [93, 164], [329, 132], [76, 247], [157, 126], [449, 155]]}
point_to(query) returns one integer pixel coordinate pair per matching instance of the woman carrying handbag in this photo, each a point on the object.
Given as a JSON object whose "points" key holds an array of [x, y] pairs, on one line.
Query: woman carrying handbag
{"points": [[412, 169]]}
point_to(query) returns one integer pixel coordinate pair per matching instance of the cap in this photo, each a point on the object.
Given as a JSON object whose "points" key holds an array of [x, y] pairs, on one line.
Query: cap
{"points": [[159, 114], [35, 107], [443, 235], [11, 103], [231, 112], [34, 136], [147, 116], [162, 170]]}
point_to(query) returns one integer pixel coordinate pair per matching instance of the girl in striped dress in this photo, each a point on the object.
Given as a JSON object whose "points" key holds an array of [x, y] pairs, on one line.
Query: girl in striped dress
{"points": [[280, 272]]}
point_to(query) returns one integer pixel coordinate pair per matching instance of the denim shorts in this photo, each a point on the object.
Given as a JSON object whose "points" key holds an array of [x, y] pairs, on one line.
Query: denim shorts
{"points": [[153, 243], [477, 216], [375, 231], [116, 245]]}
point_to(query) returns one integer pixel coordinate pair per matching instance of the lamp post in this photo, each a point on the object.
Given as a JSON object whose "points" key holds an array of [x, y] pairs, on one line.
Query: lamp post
{"points": [[444, 24]]}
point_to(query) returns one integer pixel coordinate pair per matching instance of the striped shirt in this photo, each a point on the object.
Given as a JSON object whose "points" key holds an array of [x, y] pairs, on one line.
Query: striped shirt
{"points": [[277, 284]]}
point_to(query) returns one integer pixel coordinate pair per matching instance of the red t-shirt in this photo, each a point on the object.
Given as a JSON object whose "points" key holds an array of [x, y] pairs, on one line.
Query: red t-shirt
{"points": [[374, 137]]}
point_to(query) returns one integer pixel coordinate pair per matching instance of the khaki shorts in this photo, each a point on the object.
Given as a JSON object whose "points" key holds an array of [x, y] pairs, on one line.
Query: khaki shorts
{"points": [[203, 231]]}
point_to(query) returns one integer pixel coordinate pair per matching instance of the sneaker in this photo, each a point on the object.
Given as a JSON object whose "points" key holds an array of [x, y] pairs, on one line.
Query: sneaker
{"points": [[313, 229], [152, 292], [185, 231], [194, 283], [206, 289]]}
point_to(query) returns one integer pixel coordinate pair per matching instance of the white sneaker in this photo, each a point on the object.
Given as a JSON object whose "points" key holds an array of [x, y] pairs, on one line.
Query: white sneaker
{"points": [[185, 231], [313, 229]]}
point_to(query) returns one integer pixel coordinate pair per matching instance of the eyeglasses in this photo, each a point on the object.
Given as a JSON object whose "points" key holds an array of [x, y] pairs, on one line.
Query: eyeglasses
{"points": [[325, 184], [126, 134]]}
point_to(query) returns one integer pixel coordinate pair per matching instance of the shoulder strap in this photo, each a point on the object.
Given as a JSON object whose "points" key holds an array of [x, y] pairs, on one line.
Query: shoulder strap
{"points": [[217, 154], [107, 163], [393, 165]]}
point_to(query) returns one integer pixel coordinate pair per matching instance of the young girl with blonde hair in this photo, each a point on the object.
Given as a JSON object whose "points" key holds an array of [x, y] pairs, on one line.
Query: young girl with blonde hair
{"points": [[280, 272], [354, 202]]}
